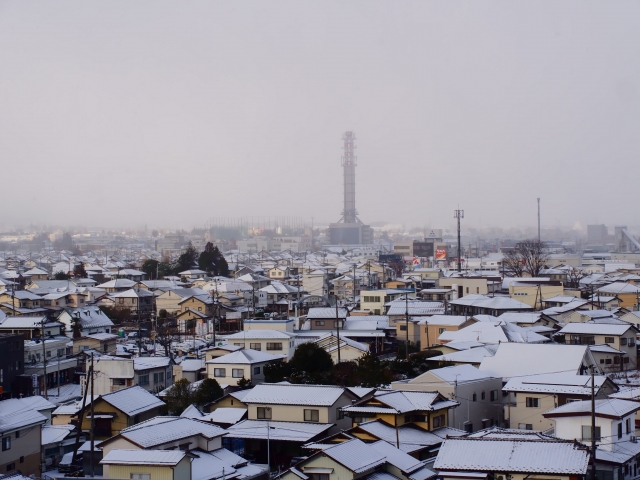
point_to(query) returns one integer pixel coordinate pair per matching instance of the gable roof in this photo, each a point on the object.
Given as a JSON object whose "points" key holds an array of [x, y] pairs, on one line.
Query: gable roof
{"points": [[286, 394], [513, 456], [159, 458], [614, 408], [160, 430], [132, 400], [565, 383], [245, 356]]}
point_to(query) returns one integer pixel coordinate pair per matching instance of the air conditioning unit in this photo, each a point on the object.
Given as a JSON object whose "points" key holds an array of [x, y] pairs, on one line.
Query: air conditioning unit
{"points": [[634, 439]]}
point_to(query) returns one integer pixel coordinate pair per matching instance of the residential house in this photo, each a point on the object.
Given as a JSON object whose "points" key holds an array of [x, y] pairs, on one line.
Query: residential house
{"points": [[354, 459], [620, 335], [349, 350], [432, 327], [92, 319], [245, 364], [492, 332], [138, 301], [617, 449], [170, 300], [154, 374], [529, 397], [117, 285], [476, 304], [468, 355], [375, 300], [193, 274], [326, 318], [279, 272], [165, 464], [21, 436], [533, 292], [428, 410], [399, 309], [437, 294], [101, 342], [31, 326], [626, 292], [270, 341], [121, 409], [610, 359], [193, 369], [477, 393], [51, 357], [57, 440]]}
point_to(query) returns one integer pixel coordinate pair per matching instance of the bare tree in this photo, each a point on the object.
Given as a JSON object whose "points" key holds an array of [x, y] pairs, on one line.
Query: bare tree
{"points": [[527, 257], [574, 275]]}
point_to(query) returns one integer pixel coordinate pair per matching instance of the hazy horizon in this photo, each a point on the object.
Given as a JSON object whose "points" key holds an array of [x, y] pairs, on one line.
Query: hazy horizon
{"points": [[167, 114]]}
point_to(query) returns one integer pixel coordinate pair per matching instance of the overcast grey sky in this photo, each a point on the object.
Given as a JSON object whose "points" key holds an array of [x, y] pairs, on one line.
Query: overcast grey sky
{"points": [[168, 113]]}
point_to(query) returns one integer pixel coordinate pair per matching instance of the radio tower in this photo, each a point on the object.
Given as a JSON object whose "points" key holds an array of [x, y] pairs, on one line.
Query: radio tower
{"points": [[349, 163], [349, 230]]}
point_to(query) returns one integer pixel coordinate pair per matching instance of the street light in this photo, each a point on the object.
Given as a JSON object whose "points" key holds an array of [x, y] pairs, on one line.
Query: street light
{"points": [[268, 410]]}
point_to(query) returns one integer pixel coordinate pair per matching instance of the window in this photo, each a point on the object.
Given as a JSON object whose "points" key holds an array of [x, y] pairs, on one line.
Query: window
{"points": [[608, 339], [255, 346], [143, 379], [631, 342], [619, 430], [403, 328], [11, 466], [311, 415], [158, 377], [439, 421], [607, 361], [118, 382], [237, 373], [494, 395], [442, 330], [339, 414], [533, 402], [319, 323], [474, 397], [140, 476], [18, 434], [274, 346], [6, 443], [586, 432], [319, 476], [219, 372], [264, 413], [482, 396], [626, 359], [628, 425], [623, 341], [256, 370]]}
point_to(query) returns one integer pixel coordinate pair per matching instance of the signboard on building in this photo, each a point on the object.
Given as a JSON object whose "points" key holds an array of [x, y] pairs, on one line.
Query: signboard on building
{"points": [[434, 233], [441, 254], [422, 249]]}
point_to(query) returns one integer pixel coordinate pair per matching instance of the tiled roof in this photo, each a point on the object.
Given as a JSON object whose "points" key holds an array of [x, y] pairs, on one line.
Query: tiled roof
{"points": [[610, 407], [287, 431], [143, 457], [245, 357], [356, 455], [151, 434]]}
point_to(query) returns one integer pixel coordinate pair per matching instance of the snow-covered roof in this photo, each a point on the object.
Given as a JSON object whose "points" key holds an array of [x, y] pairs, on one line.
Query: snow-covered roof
{"points": [[148, 363], [225, 415], [471, 355], [326, 313], [287, 431], [191, 412], [132, 400], [616, 288], [143, 457], [614, 408], [356, 455], [160, 430], [492, 303], [493, 333], [513, 456], [260, 334], [415, 308], [445, 320], [55, 433], [245, 356], [517, 359], [458, 373], [596, 328], [565, 383], [287, 394]]}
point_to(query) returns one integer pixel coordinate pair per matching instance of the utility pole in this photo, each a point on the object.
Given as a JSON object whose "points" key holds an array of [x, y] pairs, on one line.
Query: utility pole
{"points": [[354, 284], [538, 220], [458, 214], [93, 419], [44, 360], [406, 317], [338, 328], [593, 424]]}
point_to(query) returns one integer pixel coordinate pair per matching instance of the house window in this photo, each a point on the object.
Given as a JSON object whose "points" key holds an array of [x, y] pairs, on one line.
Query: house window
{"points": [[494, 395], [628, 425], [319, 476], [219, 372], [608, 339], [264, 413], [158, 377], [17, 433], [626, 359], [474, 397], [439, 421], [256, 370], [118, 382], [11, 466], [274, 346], [140, 476], [311, 415], [143, 379], [619, 430], [319, 323], [237, 373], [482, 396], [607, 361], [631, 342], [442, 330], [623, 341], [586, 432], [403, 328], [339, 414], [255, 346], [533, 402], [6, 443]]}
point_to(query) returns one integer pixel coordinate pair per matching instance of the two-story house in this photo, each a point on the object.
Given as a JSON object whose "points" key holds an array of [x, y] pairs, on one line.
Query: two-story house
{"points": [[617, 453], [270, 341], [245, 364]]}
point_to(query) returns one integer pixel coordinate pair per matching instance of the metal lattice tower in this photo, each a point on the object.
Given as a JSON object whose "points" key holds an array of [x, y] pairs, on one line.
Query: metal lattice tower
{"points": [[349, 163]]}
